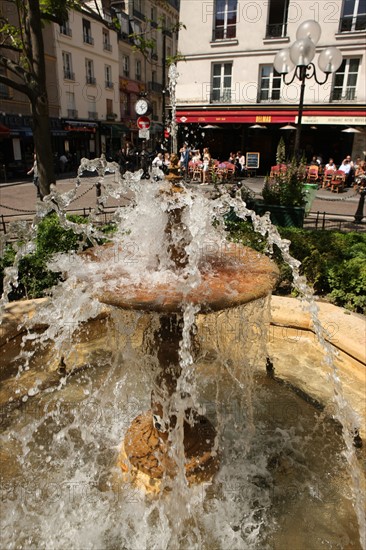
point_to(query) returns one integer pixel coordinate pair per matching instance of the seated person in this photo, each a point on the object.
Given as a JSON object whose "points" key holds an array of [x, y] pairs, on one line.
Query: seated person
{"points": [[196, 156], [331, 165], [360, 174], [347, 169], [158, 160]]}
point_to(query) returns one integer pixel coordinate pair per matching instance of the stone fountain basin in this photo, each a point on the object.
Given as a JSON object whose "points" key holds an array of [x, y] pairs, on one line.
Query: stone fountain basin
{"points": [[237, 275], [292, 345]]}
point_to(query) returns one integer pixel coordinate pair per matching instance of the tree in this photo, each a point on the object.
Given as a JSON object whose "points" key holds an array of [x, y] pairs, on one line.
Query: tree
{"points": [[22, 57], [281, 152]]}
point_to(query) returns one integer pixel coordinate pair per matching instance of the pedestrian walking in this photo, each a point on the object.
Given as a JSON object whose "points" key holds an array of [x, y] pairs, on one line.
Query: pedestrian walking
{"points": [[34, 171]]}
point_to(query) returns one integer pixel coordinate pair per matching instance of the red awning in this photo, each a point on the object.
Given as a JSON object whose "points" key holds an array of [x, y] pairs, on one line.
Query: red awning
{"points": [[235, 116], [4, 131], [274, 116]]}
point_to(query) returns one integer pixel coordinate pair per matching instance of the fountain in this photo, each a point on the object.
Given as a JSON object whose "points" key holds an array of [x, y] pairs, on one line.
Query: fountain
{"points": [[137, 412], [151, 412]]}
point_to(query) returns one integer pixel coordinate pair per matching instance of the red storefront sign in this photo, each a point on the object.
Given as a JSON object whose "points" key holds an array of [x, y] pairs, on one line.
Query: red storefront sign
{"points": [[257, 116]]}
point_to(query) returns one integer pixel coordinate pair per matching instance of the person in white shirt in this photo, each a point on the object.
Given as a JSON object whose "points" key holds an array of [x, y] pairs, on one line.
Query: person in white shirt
{"points": [[158, 160], [331, 165]]}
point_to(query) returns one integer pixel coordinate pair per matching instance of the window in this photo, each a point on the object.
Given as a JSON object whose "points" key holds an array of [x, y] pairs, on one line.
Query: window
{"points": [[88, 39], [92, 109], [277, 19], [89, 71], [345, 80], [65, 28], [109, 109], [137, 9], [106, 41], [67, 66], [126, 65], [138, 69], [270, 84], [225, 19], [353, 16], [154, 17], [108, 76], [221, 82], [70, 105]]}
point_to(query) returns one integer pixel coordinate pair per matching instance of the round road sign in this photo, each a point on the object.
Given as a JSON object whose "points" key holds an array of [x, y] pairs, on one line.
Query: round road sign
{"points": [[143, 122]]}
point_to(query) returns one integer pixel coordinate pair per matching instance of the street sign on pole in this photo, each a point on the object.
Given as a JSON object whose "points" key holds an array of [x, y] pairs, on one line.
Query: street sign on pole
{"points": [[144, 133], [143, 122]]}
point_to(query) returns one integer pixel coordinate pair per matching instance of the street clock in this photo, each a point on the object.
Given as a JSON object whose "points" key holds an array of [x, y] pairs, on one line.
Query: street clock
{"points": [[142, 106]]}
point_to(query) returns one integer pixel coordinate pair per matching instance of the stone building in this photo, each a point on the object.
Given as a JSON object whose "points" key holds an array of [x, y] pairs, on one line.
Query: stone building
{"points": [[230, 97]]}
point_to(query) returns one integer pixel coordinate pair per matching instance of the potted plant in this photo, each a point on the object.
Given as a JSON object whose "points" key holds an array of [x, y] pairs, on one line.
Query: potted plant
{"points": [[284, 196]]}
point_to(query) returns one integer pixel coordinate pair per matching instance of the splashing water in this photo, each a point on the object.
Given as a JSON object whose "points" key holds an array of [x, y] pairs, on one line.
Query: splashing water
{"points": [[62, 434]]}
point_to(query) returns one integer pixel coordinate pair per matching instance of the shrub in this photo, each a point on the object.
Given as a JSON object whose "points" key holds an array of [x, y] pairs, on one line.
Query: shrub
{"points": [[286, 188], [33, 276], [333, 263]]}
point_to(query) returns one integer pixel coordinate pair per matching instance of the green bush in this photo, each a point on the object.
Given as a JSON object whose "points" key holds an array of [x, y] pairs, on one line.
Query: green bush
{"points": [[333, 263], [33, 276], [286, 188]]}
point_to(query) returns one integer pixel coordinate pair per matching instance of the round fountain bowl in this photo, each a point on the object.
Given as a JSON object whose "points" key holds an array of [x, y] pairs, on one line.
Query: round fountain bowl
{"points": [[231, 276]]}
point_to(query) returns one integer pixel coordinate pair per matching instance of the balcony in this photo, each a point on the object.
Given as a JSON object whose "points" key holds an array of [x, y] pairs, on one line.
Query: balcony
{"points": [[65, 29], [155, 87], [92, 115], [107, 46], [111, 116], [88, 39], [72, 113], [276, 30], [91, 80], [69, 75], [109, 84]]}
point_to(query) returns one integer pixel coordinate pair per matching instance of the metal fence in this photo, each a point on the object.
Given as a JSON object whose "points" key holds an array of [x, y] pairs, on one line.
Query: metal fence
{"points": [[321, 221]]}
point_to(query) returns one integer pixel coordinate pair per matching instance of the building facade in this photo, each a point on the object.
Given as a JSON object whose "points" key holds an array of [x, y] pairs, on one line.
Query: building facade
{"points": [[230, 98], [95, 73]]}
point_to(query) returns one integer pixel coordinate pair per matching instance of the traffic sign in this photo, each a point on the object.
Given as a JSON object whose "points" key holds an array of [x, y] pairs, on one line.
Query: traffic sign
{"points": [[143, 122], [144, 134]]}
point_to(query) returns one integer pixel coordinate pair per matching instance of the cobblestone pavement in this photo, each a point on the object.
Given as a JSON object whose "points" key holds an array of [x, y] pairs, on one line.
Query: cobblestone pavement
{"points": [[18, 199]]}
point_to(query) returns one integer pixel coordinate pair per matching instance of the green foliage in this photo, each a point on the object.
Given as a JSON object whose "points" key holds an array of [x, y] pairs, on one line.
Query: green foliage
{"points": [[286, 188], [333, 263], [34, 277], [281, 152]]}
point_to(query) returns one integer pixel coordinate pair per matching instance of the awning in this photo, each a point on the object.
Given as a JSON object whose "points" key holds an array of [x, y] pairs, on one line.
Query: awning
{"points": [[4, 131], [115, 130], [156, 128], [234, 116], [267, 116], [59, 132], [24, 131], [76, 126], [130, 86]]}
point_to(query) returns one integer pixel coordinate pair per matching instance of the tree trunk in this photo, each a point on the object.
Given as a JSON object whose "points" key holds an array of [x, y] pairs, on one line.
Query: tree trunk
{"points": [[42, 145], [39, 99]]}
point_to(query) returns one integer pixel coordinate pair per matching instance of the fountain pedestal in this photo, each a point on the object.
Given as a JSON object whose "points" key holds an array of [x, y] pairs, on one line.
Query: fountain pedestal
{"points": [[147, 443], [230, 275]]}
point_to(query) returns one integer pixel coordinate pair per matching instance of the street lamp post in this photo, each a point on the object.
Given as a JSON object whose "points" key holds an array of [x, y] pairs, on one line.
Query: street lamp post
{"points": [[299, 57]]}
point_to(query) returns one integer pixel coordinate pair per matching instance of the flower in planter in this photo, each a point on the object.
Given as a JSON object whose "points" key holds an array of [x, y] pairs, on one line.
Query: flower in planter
{"points": [[286, 188]]}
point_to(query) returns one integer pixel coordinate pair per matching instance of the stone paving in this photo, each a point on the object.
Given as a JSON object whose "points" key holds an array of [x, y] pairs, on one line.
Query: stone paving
{"points": [[18, 199]]}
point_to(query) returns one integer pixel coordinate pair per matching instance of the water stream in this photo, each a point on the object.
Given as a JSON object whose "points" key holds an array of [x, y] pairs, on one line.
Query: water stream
{"points": [[289, 476]]}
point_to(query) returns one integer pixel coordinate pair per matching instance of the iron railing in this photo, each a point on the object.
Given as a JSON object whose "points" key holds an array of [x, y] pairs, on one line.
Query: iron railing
{"points": [[320, 221]]}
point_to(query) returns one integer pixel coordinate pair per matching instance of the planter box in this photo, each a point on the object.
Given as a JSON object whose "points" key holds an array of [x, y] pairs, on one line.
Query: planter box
{"points": [[284, 216]]}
